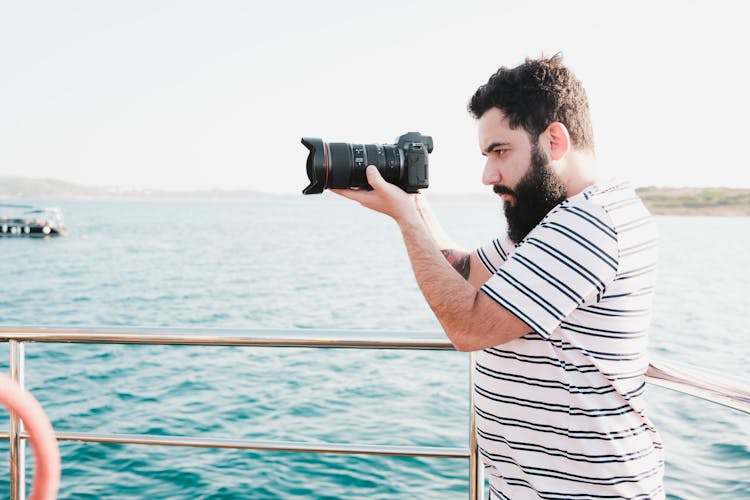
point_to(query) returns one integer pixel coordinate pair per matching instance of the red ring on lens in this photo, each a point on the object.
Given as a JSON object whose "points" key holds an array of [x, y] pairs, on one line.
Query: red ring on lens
{"points": [[325, 151]]}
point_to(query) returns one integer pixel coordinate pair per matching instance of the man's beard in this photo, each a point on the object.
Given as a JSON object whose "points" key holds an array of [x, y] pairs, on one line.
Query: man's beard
{"points": [[539, 191]]}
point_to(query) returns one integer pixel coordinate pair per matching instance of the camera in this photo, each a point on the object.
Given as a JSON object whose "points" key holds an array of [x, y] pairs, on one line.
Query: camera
{"points": [[341, 165]]}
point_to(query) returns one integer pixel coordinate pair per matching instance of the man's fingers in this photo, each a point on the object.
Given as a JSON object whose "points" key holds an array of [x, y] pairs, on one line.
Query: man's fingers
{"points": [[384, 197], [373, 177]]}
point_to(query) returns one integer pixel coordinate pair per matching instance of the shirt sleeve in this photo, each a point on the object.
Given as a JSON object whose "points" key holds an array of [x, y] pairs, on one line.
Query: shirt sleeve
{"points": [[570, 257], [495, 253]]}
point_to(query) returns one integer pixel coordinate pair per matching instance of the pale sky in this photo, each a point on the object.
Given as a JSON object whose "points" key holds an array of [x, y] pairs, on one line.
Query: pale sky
{"points": [[204, 94]]}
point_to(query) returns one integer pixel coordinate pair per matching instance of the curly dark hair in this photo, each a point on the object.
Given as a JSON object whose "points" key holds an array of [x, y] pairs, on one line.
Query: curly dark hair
{"points": [[536, 94]]}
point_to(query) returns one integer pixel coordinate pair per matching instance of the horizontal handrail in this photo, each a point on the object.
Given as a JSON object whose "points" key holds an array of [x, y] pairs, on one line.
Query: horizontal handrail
{"points": [[17, 336], [232, 337], [243, 444], [711, 387], [701, 384]]}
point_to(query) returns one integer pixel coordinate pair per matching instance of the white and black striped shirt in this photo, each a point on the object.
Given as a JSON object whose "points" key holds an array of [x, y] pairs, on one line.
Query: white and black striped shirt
{"points": [[560, 411]]}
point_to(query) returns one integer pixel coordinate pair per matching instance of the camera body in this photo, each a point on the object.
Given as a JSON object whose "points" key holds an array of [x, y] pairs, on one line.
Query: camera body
{"points": [[342, 165], [416, 147]]}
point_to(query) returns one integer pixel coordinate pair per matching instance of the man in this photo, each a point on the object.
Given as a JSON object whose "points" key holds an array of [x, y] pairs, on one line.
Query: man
{"points": [[559, 307]]}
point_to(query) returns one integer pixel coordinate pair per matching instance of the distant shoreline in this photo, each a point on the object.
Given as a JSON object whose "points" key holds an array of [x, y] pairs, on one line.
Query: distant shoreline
{"points": [[19, 188], [715, 201], [728, 202]]}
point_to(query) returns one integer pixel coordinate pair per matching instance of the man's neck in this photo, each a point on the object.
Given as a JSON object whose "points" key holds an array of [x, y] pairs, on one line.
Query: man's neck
{"points": [[580, 171]]}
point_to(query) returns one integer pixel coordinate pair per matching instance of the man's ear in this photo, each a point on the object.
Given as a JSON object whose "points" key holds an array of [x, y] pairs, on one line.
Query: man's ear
{"points": [[558, 139]]}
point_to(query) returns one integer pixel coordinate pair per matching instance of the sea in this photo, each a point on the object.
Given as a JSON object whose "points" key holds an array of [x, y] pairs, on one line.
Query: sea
{"points": [[319, 262]]}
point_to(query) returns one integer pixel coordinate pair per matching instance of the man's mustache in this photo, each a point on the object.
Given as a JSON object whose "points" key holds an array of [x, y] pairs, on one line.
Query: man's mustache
{"points": [[500, 189]]}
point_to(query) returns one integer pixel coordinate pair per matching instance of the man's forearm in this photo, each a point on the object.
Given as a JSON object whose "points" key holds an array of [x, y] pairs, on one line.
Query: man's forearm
{"points": [[455, 256], [471, 319], [449, 295]]}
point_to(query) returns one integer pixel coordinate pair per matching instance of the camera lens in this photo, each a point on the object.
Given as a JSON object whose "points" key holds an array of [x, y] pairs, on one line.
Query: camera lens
{"points": [[341, 165]]}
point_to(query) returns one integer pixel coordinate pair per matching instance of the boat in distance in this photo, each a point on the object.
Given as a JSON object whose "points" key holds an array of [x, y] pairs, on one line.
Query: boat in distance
{"points": [[32, 222]]}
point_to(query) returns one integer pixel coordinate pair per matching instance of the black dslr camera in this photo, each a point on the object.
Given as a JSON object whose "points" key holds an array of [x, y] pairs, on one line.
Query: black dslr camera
{"points": [[341, 165]]}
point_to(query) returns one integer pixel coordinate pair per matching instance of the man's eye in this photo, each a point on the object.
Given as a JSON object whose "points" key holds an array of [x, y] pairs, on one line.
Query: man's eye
{"points": [[500, 152]]}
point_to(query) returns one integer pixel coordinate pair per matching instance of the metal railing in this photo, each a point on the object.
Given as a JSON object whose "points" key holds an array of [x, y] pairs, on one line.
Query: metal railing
{"points": [[16, 337], [710, 387]]}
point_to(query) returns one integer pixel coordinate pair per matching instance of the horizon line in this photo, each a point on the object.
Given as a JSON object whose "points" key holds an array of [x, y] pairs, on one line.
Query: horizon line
{"points": [[125, 189]]}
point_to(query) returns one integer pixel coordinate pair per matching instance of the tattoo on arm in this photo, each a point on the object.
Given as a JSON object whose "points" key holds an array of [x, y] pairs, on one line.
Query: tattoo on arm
{"points": [[459, 260]]}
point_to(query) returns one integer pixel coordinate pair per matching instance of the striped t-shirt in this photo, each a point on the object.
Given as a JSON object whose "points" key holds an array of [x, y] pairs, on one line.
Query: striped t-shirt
{"points": [[560, 411]]}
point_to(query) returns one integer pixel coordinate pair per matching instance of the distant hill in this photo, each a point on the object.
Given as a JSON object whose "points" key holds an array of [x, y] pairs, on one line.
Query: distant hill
{"points": [[19, 188], [696, 201], [660, 200]]}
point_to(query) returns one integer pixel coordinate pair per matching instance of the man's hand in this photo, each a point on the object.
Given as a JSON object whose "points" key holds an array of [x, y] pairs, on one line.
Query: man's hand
{"points": [[385, 197]]}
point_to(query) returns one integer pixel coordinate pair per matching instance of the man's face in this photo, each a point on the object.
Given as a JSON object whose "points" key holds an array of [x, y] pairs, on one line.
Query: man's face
{"points": [[519, 172]]}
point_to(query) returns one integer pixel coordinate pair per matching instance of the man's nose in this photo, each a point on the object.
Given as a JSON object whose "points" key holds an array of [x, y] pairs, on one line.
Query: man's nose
{"points": [[491, 174]]}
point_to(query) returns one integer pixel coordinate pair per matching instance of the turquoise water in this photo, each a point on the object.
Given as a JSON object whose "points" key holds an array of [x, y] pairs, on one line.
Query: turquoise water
{"points": [[319, 262]]}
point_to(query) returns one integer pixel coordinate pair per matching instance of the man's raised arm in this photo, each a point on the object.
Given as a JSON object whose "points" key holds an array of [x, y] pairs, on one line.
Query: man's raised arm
{"points": [[471, 319]]}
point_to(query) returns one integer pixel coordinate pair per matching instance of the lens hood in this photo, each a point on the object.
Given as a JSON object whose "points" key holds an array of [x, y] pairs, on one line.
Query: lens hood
{"points": [[317, 165]]}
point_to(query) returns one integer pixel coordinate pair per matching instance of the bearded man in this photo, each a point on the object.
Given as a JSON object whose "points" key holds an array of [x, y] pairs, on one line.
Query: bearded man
{"points": [[558, 308]]}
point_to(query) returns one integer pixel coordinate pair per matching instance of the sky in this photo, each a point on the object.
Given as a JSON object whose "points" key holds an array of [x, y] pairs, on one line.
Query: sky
{"points": [[188, 95]]}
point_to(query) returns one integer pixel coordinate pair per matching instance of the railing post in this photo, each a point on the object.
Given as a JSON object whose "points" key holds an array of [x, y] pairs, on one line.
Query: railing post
{"points": [[17, 444], [476, 478]]}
